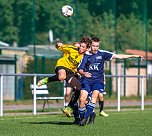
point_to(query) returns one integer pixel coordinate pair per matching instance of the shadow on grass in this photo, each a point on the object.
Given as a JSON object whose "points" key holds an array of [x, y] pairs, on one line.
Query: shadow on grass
{"points": [[50, 122]]}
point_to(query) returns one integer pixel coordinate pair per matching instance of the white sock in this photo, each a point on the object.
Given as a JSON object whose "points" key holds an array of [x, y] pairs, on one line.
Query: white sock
{"points": [[66, 104]]}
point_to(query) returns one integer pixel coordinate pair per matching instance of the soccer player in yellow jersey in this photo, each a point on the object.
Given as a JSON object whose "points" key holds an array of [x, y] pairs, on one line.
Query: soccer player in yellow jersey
{"points": [[67, 87], [71, 58], [66, 66]]}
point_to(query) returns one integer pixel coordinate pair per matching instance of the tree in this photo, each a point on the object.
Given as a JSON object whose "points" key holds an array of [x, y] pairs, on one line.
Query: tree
{"points": [[9, 32], [23, 21], [19, 23]]}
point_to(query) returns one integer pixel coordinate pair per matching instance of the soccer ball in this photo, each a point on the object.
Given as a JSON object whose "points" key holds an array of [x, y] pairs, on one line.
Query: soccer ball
{"points": [[67, 11]]}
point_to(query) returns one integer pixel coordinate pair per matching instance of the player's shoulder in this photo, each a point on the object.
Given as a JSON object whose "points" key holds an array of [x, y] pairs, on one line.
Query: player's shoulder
{"points": [[70, 47], [104, 51], [87, 53]]}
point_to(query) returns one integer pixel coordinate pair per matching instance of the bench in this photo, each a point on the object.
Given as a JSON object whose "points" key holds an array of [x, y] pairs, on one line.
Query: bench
{"points": [[42, 93]]}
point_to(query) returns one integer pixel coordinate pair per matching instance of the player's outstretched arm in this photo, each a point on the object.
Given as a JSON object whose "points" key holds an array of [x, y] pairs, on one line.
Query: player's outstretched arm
{"points": [[123, 56]]}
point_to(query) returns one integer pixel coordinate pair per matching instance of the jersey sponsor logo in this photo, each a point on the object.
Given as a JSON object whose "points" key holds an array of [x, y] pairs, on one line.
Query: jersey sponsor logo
{"points": [[99, 57], [76, 56], [94, 66], [73, 60]]}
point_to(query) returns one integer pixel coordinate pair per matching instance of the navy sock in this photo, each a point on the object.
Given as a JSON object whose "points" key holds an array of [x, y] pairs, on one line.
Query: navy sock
{"points": [[82, 112], [90, 108], [74, 98], [76, 111]]}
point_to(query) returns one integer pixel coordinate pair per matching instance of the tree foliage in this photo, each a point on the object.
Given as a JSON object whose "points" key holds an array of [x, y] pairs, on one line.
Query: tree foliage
{"points": [[27, 22]]}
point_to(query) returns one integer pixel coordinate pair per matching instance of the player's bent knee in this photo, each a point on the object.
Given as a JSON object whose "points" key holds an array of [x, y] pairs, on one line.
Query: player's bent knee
{"points": [[82, 100]]}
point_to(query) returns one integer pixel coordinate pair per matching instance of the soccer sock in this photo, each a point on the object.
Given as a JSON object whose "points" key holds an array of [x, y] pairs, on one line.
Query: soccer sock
{"points": [[66, 104], [82, 112], [74, 98], [53, 78], [92, 116], [101, 103], [76, 111], [90, 107]]}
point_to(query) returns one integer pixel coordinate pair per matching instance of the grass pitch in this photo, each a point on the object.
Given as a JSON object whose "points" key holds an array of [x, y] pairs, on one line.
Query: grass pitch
{"points": [[124, 123]]}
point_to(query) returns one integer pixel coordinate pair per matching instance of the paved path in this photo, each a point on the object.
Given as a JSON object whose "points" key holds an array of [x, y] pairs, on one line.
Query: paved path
{"points": [[60, 105]]}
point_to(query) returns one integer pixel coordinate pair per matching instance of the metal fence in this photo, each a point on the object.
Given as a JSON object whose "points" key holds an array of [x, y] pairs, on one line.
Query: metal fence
{"points": [[118, 77]]}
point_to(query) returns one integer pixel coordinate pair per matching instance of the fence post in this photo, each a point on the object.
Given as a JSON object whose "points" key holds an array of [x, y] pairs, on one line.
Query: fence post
{"points": [[1, 97], [34, 96], [142, 93], [125, 78], [118, 95]]}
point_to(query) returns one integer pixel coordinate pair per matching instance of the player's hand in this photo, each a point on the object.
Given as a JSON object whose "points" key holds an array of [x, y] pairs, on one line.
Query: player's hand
{"points": [[87, 74], [141, 57]]}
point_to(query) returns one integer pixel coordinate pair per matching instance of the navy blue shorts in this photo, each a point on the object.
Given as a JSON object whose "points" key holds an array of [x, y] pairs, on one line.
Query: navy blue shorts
{"points": [[91, 86]]}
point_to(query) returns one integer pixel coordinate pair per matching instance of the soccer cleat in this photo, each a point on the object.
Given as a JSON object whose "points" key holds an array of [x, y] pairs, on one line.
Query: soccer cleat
{"points": [[42, 81], [83, 122], [76, 122], [92, 118], [67, 111], [102, 113]]}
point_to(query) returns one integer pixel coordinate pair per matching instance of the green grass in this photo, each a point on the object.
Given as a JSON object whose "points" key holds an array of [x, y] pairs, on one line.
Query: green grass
{"points": [[128, 123]]}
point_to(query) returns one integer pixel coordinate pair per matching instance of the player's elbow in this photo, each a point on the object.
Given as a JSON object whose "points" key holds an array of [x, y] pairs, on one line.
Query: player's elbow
{"points": [[58, 45]]}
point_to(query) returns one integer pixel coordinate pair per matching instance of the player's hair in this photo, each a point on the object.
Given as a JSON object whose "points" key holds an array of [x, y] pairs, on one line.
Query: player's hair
{"points": [[86, 39], [95, 39]]}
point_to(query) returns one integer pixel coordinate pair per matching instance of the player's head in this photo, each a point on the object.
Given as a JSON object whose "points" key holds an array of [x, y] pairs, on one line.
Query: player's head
{"points": [[85, 43], [87, 40], [95, 44]]}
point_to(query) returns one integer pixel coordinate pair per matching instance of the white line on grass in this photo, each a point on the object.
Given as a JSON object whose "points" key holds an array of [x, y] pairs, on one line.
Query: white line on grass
{"points": [[21, 118]]}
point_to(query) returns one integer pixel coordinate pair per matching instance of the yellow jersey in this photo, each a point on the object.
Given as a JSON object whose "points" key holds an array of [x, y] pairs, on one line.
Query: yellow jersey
{"points": [[71, 57]]}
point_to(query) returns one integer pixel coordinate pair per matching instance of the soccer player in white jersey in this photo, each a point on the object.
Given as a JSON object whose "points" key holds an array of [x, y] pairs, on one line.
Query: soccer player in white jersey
{"points": [[92, 70]]}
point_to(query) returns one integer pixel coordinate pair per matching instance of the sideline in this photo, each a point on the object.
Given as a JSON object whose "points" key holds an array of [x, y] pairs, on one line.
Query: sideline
{"points": [[17, 118]]}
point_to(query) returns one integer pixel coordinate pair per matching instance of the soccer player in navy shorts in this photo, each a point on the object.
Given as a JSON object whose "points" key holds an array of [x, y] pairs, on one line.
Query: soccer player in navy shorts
{"points": [[92, 70]]}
